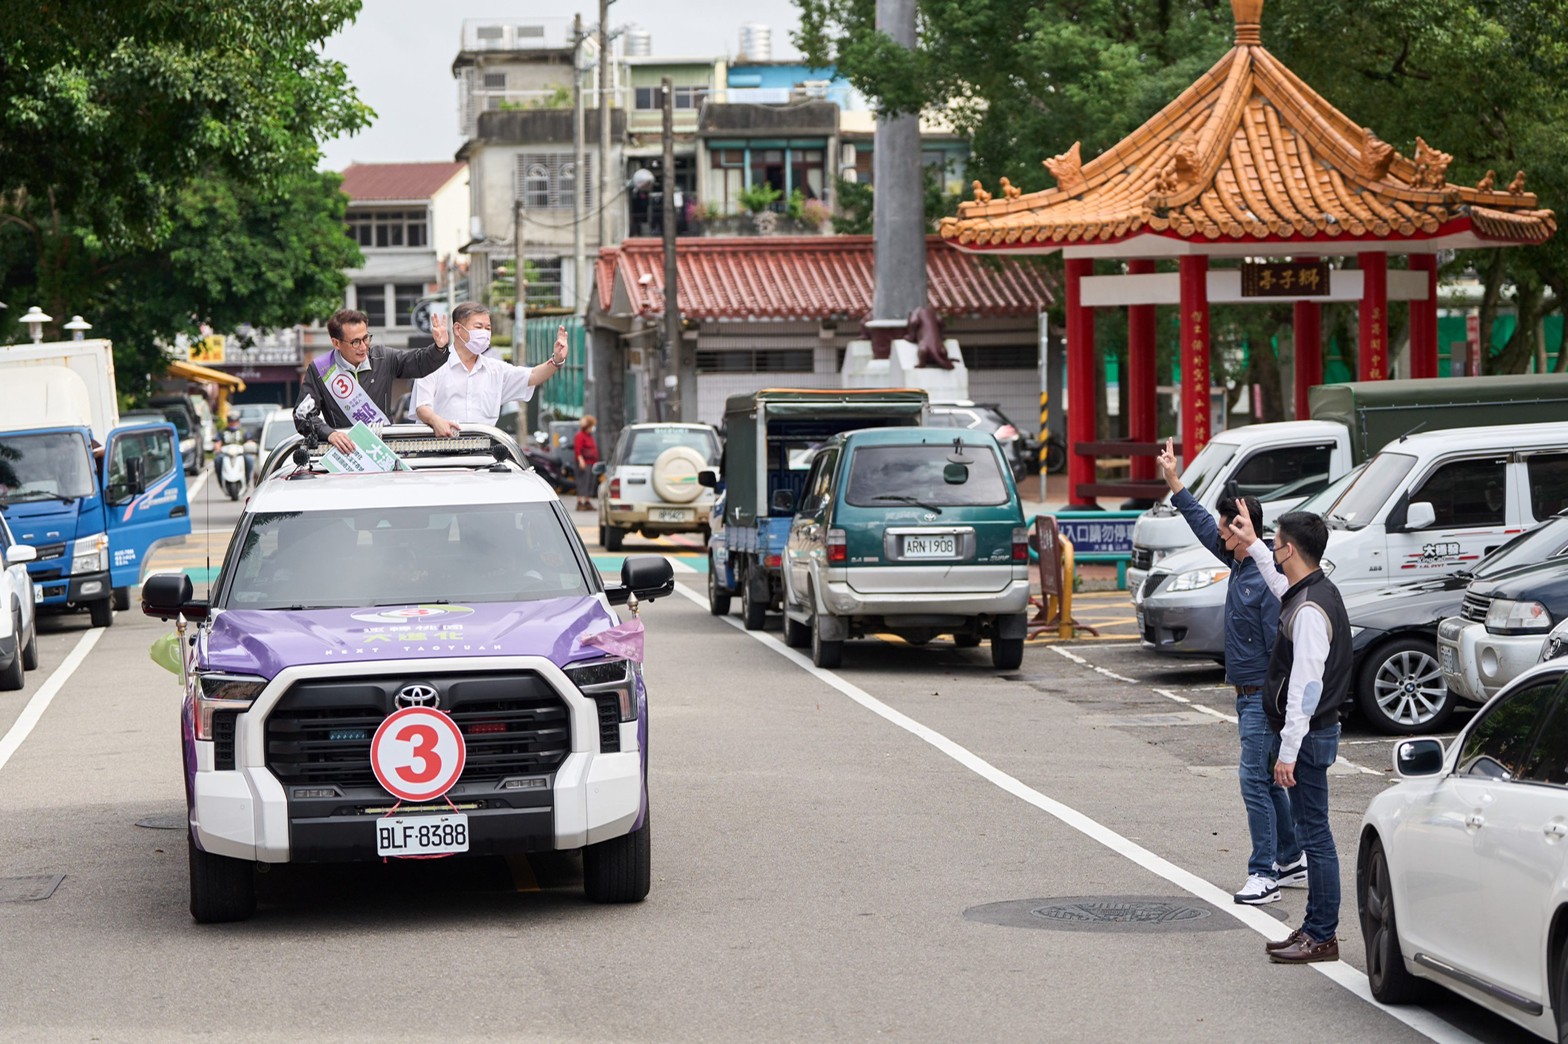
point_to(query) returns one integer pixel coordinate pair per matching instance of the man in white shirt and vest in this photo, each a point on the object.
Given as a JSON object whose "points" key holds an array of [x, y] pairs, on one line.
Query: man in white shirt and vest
{"points": [[353, 382], [473, 386]]}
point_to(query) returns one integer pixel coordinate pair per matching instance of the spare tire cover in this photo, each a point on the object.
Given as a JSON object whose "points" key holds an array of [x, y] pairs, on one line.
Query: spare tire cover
{"points": [[675, 474]]}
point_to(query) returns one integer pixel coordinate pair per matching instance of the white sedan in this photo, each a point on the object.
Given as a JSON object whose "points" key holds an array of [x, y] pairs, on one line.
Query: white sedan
{"points": [[19, 621], [1460, 877]]}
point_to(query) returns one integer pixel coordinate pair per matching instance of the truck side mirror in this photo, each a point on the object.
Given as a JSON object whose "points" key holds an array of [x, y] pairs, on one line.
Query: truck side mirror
{"points": [[783, 500], [166, 595], [598, 467], [1420, 515], [646, 576], [708, 478]]}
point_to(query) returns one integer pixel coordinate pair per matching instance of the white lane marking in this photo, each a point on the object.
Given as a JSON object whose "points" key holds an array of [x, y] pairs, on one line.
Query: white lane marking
{"points": [[1423, 1022], [36, 706], [193, 491], [1117, 645], [1168, 694]]}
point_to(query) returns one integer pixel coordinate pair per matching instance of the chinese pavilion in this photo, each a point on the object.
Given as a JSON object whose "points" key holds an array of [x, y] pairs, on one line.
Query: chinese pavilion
{"points": [[1247, 162]]}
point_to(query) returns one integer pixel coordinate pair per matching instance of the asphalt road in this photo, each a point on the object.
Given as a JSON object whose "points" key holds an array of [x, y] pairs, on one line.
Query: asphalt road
{"points": [[833, 852]]}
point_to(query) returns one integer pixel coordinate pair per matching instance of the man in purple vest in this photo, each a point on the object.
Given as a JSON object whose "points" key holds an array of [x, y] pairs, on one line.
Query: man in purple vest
{"points": [[354, 381]]}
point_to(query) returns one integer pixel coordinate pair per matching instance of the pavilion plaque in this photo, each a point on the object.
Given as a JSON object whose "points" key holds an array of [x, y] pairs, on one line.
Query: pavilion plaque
{"points": [[1284, 278]]}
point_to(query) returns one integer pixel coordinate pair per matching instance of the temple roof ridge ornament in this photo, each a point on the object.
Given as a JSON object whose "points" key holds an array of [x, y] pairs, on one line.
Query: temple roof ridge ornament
{"points": [[1250, 154]]}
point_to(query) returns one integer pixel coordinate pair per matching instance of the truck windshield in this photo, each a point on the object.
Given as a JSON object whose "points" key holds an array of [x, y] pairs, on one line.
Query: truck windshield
{"points": [[47, 466], [1206, 466], [401, 556], [1371, 491], [884, 475]]}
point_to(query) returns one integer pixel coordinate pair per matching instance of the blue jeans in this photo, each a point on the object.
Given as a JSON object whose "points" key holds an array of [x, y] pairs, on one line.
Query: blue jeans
{"points": [[1309, 800], [1269, 818]]}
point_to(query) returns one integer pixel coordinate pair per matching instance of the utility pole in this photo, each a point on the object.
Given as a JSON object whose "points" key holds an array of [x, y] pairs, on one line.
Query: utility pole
{"points": [[579, 182], [672, 316], [518, 330], [604, 123], [898, 209]]}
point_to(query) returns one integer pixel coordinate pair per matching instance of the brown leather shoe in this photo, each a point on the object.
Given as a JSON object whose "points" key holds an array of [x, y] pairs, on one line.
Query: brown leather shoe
{"points": [[1306, 951], [1288, 941]]}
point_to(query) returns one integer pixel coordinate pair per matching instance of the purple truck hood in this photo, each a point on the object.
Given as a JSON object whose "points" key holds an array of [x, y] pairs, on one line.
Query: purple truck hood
{"points": [[264, 642]]}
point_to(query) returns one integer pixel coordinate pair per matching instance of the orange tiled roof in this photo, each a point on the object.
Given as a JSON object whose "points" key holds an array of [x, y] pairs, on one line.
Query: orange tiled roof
{"points": [[363, 182], [807, 277], [1250, 153]]}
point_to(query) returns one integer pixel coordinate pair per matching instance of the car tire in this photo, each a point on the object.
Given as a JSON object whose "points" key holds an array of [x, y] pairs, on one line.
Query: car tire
{"points": [[11, 678], [796, 634], [825, 654], [966, 641], [1007, 654], [222, 889], [753, 613], [102, 612], [1396, 685], [620, 870], [718, 598], [611, 537], [1389, 979], [1560, 998], [122, 599], [30, 650]]}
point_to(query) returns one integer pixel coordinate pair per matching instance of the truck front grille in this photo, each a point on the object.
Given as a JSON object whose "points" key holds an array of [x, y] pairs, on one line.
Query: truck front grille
{"points": [[1474, 607], [513, 724], [1142, 557]]}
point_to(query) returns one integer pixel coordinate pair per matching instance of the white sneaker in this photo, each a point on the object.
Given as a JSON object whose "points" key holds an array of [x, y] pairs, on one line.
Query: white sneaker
{"points": [[1292, 876], [1258, 891]]}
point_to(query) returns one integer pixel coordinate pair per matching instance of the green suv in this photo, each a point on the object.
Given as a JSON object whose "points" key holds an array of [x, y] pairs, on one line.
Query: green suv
{"points": [[910, 531]]}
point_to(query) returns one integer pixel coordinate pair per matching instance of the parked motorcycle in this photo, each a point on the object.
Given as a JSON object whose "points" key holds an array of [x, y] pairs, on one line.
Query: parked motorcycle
{"points": [[232, 469], [547, 464]]}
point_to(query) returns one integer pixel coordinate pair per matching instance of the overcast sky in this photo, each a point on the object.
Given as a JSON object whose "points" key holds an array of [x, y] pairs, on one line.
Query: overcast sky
{"points": [[399, 55]]}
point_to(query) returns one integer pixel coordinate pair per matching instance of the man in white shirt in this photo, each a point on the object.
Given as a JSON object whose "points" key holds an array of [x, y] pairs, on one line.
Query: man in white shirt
{"points": [[473, 386]]}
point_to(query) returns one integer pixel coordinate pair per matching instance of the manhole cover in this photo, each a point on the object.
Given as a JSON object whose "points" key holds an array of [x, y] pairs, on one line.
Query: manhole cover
{"points": [[163, 823], [29, 889], [1103, 913]]}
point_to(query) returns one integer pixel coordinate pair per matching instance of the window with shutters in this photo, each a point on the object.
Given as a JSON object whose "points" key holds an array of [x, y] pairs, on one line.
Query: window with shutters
{"points": [[546, 180]]}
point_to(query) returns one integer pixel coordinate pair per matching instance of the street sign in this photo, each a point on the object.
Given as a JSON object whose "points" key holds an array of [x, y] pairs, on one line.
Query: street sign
{"points": [[417, 754]]}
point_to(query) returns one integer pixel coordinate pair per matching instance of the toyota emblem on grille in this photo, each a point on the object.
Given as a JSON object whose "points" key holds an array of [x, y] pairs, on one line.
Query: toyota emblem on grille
{"points": [[417, 696]]}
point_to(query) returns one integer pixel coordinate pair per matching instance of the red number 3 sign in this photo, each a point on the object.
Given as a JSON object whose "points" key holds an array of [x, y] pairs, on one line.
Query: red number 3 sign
{"points": [[417, 753]]}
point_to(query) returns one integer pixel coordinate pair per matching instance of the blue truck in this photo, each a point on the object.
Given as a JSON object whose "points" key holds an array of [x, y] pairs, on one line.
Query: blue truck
{"points": [[91, 497], [769, 439]]}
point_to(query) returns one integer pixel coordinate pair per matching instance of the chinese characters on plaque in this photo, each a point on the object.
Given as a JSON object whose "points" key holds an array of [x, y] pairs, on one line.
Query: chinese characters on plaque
{"points": [[1284, 278]]}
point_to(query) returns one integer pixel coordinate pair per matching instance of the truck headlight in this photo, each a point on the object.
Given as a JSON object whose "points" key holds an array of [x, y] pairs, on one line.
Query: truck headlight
{"points": [[609, 681], [1197, 579], [91, 555], [216, 691], [1505, 616]]}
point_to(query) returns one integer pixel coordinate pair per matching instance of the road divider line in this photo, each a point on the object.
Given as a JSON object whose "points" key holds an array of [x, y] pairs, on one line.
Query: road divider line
{"points": [[1340, 972], [23, 726]]}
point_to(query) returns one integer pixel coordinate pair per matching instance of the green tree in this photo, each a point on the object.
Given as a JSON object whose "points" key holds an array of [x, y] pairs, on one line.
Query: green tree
{"points": [[123, 123]]}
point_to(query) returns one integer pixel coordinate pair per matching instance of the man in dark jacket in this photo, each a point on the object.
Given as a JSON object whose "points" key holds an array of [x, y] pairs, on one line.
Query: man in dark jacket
{"points": [[353, 382], [1251, 621], [1309, 679]]}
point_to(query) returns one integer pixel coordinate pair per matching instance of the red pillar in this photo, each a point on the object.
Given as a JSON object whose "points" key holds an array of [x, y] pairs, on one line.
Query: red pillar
{"points": [[1308, 333], [1142, 424], [1080, 382], [1194, 275], [1372, 344], [1423, 320]]}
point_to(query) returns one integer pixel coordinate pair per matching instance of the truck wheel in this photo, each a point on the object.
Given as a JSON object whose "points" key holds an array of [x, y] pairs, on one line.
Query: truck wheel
{"points": [[122, 599], [11, 678], [796, 635], [102, 612], [718, 598], [222, 889], [753, 613], [1401, 690], [30, 650], [825, 654], [611, 536], [1007, 654], [619, 870]]}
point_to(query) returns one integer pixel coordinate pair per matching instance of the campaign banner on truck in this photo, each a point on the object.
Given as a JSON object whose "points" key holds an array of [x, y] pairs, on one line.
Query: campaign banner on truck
{"points": [[370, 453]]}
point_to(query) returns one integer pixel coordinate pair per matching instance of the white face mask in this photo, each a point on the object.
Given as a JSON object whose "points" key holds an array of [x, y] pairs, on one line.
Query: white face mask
{"points": [[478, 341]]}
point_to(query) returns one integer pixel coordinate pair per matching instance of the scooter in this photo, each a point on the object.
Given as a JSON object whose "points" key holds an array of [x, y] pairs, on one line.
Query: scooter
{"points": [[231, 469], [548, 465]]}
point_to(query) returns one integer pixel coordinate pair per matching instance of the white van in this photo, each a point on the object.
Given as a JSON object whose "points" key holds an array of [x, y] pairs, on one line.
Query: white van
{"points": [[1436, 502]]}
